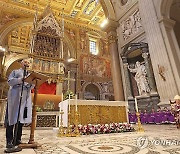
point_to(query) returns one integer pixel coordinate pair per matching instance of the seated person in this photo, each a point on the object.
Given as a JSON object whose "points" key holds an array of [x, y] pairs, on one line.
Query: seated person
{"points": [[167, 117], [132, 118], [144, 119], [152, 116], [159, 116]]}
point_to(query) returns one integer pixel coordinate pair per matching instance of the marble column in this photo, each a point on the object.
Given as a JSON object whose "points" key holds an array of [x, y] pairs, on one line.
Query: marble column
{"points": [[150, 75], [158, 50], [115, 66], [127, 79]]}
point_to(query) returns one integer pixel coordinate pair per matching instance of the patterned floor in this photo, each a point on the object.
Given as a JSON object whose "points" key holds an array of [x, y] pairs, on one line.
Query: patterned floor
{"points": [[157, 139]]}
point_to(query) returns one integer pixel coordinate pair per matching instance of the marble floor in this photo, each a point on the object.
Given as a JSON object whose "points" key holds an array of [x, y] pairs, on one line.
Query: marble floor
{"points": [[157, 139]]}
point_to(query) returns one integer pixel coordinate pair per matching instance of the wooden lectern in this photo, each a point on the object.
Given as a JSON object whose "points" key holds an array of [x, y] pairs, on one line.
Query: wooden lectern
{"points": [[37, 79]]}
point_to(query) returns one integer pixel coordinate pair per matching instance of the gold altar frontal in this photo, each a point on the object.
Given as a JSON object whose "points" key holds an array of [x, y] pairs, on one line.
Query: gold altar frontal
{"points": [[98, 112]]}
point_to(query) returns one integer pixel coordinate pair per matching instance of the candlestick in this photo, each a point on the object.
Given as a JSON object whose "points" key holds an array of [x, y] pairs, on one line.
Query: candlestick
{"points": [[136, 106], [76, 102], [69, 103]]}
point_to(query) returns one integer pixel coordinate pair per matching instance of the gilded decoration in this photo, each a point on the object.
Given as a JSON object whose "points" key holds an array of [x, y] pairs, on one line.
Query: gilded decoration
{"points": [[83, 11], [131, 25], [112, 38], [46, 121], [95, 66], [7, 17], [90, 7], [18, 39], [46, 44], [96, 114]]}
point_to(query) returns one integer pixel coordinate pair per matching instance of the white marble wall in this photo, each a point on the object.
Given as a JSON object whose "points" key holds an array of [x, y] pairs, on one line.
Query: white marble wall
{"points": [[159, 35], [158, 51]]}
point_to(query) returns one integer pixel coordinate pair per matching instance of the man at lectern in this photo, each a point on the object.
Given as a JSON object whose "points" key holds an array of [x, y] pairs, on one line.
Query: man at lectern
{"points": [[19, 105]]}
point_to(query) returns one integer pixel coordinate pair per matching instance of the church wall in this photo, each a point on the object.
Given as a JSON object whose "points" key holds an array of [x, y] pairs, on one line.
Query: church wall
{"points": [[158, 51], [150, 31], [76, 46], [128, 32]]}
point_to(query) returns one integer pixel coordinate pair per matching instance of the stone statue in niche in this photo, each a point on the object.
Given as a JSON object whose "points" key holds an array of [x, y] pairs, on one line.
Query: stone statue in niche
{"points": [[140, 77]]}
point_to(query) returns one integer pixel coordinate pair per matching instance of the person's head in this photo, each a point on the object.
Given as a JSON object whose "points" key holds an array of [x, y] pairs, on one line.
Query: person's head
{"points": [[177, 99], [25, 63]]}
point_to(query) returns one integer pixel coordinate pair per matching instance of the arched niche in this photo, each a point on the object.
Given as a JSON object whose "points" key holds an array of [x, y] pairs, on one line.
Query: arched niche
{"points": [[132, 53], [91, 91]]}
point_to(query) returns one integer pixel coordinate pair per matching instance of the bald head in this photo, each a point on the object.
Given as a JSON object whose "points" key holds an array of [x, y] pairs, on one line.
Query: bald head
{"points": [[25, 63]]}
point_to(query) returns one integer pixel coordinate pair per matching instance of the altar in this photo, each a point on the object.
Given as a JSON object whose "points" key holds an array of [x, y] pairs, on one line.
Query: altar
{"points": [[94, 111]]}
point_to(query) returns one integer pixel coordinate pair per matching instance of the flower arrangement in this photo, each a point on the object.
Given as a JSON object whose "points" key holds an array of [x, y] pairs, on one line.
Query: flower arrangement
{"points": [[104, 128], [67, 93]]}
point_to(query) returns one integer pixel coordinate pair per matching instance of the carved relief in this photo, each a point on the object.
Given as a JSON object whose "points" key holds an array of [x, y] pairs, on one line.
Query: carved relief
{"points": [[46, 46], [131, 25], [48, 66]]}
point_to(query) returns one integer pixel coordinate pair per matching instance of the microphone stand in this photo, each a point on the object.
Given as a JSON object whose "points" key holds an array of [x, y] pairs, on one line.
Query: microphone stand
{"points": [[14, 148]]}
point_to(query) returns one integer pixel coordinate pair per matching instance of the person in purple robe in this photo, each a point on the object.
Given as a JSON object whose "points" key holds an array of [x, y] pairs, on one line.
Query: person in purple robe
{"points": [[159, 116], [15, 81], [167, 117], [132, 118], [144, 119], [141, 115], [152, 116]]}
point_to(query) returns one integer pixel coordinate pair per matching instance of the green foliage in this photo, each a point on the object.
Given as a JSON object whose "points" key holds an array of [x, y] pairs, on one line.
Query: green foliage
{"points": [[39, 109], [67, 93]]}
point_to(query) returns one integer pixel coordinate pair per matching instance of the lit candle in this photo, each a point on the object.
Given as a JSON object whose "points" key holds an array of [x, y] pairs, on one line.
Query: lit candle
{"points": [[69, 103], [136, 106], [76, 102], [62, 97]]}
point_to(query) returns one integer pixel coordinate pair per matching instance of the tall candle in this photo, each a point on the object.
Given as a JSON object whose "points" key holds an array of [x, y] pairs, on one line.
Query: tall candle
{"points": [[76, 102], [136, 106], [69, 103], [62, 97]]}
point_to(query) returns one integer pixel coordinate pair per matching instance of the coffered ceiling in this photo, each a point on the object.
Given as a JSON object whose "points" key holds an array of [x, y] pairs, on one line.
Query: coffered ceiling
{"points": [[86, 12]]}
